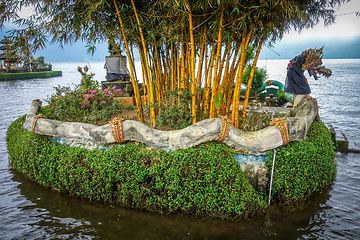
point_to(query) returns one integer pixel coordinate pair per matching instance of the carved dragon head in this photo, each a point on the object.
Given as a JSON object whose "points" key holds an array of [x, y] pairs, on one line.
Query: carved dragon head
{"points": [[311, 61]]}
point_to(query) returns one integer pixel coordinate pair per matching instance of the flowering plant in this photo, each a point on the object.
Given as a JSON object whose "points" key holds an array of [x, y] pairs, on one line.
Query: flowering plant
{"points": [[82, 104], [258, 117]]}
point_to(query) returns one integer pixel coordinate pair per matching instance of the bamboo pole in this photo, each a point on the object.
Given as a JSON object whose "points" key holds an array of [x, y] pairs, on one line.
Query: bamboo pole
{"points": [[192, 66], [215, 82], [151, 92], [145, 76], [246, 100], [236, 95], [134, 82], [208, 79], [230, 86]]}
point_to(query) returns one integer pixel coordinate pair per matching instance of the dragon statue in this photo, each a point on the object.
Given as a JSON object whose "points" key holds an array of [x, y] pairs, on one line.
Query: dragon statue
{"points": [[296, 83]]}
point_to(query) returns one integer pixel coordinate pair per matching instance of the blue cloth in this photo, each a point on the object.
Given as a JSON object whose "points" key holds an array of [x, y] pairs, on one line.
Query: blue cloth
{"points": [[295, 82]]}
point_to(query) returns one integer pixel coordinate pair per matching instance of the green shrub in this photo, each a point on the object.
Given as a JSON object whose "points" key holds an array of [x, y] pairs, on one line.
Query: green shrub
{"points": [[175, 111], [259, 78], [302, 168], [82, 104], [258, 117], [281, 100], [203, 181]]}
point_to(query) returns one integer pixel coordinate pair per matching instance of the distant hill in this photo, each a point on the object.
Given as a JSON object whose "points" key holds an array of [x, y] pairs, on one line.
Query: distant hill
{"points": [[334, 47]]}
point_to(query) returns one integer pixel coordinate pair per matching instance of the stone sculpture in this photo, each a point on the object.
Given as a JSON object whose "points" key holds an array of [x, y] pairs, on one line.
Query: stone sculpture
{"points": [[291, 128]]}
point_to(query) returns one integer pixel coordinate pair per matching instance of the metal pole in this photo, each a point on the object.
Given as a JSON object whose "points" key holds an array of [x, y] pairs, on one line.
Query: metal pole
{"points": [[272, 173]]}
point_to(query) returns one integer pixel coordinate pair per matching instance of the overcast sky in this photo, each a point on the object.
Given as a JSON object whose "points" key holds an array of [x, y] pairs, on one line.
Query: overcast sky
{"points": [[347, 24]]}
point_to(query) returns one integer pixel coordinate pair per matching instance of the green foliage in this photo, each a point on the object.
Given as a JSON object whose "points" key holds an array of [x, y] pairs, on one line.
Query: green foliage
{"points": [[40, 61], [203, 181], [302, 168], [258, 117], [82, 104], [175, 111], [219, 100], [259, 78], [281, 98], [89, 82]]}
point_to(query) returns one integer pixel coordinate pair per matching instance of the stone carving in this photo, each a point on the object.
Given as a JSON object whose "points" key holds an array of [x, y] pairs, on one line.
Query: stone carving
{"points": [[298, 123]]}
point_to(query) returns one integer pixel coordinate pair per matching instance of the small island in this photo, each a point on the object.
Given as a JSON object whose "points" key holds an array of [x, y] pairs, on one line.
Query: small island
{"points": [[194, 143], [17, 67]]}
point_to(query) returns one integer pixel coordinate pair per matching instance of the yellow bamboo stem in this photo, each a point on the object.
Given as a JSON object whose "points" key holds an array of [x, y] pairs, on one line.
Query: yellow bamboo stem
{"points": [[208, 81], [134, 82], [182, 74], [215, 82], [236, 95], [192, 67], [178, 63], [246, 100], [151, 92], [172, 66]]}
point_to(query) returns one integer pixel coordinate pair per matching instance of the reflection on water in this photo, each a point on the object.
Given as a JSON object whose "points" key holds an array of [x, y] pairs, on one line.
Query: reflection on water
{"points": [[29, 211]]}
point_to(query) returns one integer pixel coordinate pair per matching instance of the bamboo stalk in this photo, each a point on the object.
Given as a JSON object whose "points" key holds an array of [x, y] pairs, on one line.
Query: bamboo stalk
{"points": [[208, 79], [236, 95], [134, 82], [251, 78], [151, 92], [192, 67], [215, 82]]}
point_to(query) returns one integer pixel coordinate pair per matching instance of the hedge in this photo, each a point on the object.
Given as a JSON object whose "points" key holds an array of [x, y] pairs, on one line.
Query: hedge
{"points": [[202, 181]]}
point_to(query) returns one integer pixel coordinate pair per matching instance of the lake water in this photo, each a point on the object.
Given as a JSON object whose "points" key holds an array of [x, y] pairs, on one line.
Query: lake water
{"points": [[29, 211]]}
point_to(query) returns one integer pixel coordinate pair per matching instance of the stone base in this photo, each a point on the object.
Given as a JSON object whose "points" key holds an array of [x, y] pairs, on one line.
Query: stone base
{"points": [[127, 101]]}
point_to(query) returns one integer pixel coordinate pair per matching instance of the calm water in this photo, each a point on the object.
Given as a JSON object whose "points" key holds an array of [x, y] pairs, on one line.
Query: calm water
{"points": [[29, 211]]}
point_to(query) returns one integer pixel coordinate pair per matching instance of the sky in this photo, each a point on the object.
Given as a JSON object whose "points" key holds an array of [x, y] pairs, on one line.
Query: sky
{"points": [[346, 24]]}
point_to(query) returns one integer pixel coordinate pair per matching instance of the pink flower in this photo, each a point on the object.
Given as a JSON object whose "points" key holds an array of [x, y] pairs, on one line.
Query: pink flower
{"points": [[258, 120], [52, 106], [82, 106], [77, 95], [88, 101], [95, 100], [103, 101]]}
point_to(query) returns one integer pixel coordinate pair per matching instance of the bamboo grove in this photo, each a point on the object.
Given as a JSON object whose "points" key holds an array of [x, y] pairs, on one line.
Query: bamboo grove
{"points": [[202, 46]]}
